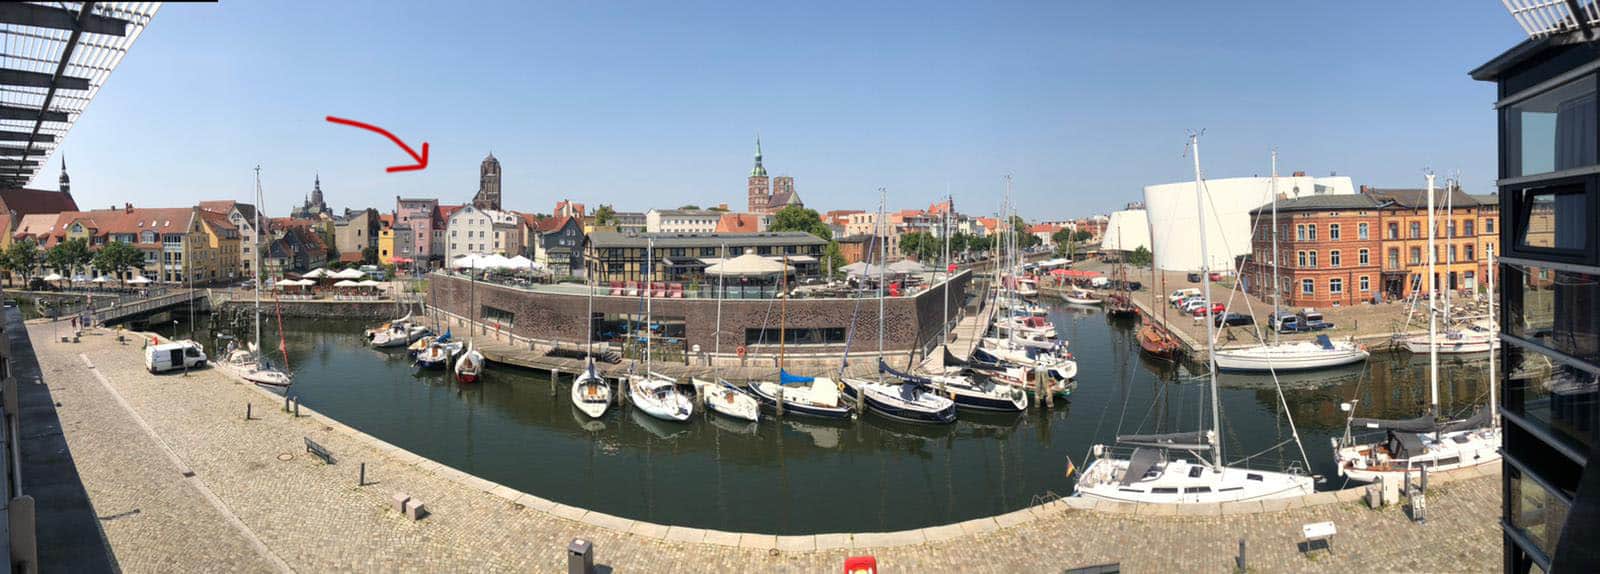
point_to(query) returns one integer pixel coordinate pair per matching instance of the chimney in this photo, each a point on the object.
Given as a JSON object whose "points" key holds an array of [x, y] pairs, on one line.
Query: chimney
{"points": [[1299, 174], [722, 206], [127, 208], [1365, 189]]}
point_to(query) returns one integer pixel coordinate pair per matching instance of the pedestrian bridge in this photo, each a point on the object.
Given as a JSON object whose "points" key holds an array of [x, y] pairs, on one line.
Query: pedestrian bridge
{"points": [[131, 310]]}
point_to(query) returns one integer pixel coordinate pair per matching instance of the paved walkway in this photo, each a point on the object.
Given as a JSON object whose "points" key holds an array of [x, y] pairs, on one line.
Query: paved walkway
{"points": [[315, 518]]}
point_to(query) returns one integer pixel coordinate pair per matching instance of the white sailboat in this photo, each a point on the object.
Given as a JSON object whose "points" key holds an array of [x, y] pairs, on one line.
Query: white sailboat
{"points": [[1278, 356], [654, 393], [720, 396], [590, 391], [251, 363], [1172, 467], [1425, 442]]}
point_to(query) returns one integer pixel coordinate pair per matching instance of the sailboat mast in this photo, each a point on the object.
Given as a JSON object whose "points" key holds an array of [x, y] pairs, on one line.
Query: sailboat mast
{"points": [[1433, 305], [1277, 293], [649, 278], [1205, 282], [783, 309], [1494, 331], [948, 205], [588, 337], [883, 259], [256, 237], [716, 339]]}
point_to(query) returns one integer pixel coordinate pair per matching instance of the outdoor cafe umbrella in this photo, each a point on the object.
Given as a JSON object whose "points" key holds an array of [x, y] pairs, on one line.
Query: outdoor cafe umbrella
{"points": [[494, 261], [287, 283], [464, 262], [907, 266], [318, 273], [347, 283], [369, 283], [520, 263], [140, 280], [351, 273], [102, 279], [747, 265], [53, 277]]}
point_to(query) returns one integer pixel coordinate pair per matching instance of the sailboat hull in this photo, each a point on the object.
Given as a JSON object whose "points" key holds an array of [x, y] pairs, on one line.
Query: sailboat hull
{"points": [[1453, 451], [1176, 482], [1282, 359], [769, 401], [882, 403]]}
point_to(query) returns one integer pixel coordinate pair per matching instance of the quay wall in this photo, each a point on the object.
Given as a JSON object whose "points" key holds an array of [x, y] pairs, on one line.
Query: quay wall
{"points": [[911, 323], [363, 310]]}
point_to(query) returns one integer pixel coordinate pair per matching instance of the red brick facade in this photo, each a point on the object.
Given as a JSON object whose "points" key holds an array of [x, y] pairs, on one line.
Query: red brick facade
{"points": [[1326, 258]]}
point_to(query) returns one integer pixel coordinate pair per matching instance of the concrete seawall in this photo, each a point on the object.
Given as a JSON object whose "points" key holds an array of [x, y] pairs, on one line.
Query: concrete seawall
{"points": [[363, 310]]}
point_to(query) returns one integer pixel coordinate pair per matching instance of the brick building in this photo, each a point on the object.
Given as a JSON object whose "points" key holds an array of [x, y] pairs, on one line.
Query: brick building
{"points": [[769, 195], [1327, 250]]}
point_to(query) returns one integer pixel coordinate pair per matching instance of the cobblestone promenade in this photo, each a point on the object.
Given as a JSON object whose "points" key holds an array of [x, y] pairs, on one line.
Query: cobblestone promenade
{"points": [[257, 502]]}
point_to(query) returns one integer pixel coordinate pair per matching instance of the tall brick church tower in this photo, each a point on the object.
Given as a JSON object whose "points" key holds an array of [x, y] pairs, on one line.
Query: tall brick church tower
{"points": [[759, 184], [488, 185]]}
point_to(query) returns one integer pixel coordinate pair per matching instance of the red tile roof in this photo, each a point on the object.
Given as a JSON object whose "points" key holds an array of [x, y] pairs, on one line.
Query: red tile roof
{"points": [[738, 223], [222, 206], [28, 201], [551, 224]]}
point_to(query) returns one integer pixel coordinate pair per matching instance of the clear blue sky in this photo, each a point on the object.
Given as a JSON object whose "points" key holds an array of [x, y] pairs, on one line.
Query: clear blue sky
{"points": [[655, 104]]}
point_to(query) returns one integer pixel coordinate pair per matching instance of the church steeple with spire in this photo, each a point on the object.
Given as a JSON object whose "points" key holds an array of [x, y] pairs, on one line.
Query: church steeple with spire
{"points": [[759, 185], [65, 183], [314, 205]]}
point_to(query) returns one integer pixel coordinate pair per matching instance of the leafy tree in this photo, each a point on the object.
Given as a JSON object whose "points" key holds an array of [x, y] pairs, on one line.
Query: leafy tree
{"points": [[66, 257], [22, 258], [605, 216], [1082, 236], [116, 257], [689, 207], [369, 256], [796, 218], [1061, 236], [832, 258], [1140, 257], [718, 208]]}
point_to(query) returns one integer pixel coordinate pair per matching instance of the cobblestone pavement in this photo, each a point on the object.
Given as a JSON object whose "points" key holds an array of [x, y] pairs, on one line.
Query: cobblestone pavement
{"points": [[316, 519]]}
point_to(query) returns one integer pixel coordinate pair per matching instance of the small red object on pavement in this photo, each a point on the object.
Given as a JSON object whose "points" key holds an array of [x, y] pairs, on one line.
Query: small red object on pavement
{"points": [[860, 565]]}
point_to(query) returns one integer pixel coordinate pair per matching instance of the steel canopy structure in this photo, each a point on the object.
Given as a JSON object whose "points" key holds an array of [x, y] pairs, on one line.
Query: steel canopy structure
{"points": [[54, 58]]}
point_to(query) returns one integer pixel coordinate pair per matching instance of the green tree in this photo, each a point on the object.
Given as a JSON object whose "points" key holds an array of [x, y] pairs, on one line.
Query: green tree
{"points": [[832, 258], [369, 256], [1082, 236], [23, 258], [116, 257], [68, 256], [911, 244], [1140, 257], [689, 207], [605, 216], [796, 218]]}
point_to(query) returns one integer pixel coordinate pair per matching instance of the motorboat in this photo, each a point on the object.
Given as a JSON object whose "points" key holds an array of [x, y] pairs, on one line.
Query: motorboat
{"points": [[591, 393], [722, 398], [1081, 297], [1293, 356], [908, 401], [469, 368], [998, 351], [396, 334], [1026, 287], [657, 395], [1019, 306], [809, 396], [1035, 327]]}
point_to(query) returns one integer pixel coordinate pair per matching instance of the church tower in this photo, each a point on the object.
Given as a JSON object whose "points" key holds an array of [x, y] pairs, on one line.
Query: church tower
{"points": [[759, 185], [488, 185], [316, 193], [65, 182]]}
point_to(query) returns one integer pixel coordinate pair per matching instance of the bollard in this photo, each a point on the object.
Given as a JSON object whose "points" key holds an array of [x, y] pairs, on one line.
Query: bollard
{"points": [[362, 479], [247, 407], [297, 407], [286, 402], [580, 557], [1241, 562], [552, 382]]}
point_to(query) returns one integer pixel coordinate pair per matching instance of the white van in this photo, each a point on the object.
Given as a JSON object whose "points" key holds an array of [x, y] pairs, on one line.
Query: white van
{"points": [[174, 356], [1182, 294]]}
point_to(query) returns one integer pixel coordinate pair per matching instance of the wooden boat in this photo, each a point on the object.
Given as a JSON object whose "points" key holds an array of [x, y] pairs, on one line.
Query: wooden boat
{"points": [[1156, 341]]}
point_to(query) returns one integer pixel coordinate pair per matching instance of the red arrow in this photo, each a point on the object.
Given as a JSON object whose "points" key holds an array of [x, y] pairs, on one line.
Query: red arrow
{"points": [[422, 160]]}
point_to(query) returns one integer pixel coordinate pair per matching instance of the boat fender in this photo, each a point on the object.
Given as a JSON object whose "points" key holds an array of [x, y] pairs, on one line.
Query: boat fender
{"points": [[740, 351]]}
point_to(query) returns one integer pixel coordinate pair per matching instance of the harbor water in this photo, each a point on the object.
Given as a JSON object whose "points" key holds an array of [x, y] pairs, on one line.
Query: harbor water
{"points": [[799, 475]]}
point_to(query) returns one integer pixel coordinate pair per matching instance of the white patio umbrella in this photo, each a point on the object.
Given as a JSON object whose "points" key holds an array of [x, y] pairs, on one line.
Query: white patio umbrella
{"points": [[140, 280], [53, 277], [521, 263], [349, 273], [747, 265], [305, 283], [369, 283], [318, 273], [287, 283], [494, 261], [465, 261], [80, 278], [907, 266], [347, 283]]}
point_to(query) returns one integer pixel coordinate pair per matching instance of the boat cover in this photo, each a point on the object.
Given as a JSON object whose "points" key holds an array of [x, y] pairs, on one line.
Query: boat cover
{"points": [[445, 338], [1140, 463], [1323, 341], [1406, 445], [1479, 419], [787, 379], [1191, 440], [1423, 423], [904, 377]]}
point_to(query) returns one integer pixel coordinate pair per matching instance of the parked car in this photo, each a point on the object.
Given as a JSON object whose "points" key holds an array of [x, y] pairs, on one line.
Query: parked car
{"points": [[1234, 319], [1312, 320], [1194, 277], [1182, 294], [174, 356], [1216, 276], [1200, 310], [1190, 305]]}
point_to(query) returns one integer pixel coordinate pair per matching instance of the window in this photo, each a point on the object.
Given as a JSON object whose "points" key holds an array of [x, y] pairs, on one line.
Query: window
{"points": [[794, 336], [1335, 286], [1488, 226], [1537, 512], [1416, 255], [1394, 231], [1469, 252], [1452, 258], [1551, 218], [1361, 231], [1468, 226], [1416, 230], [1366, 284], [1311, 232], [1553, 308], [1552, 131], [501, 317], [1313, 258], [1333, 231], [1300, 232], [1308, 287], [1394, 258], [1302, 255], [1363, 257], [1333, 258], [1451, 225]]}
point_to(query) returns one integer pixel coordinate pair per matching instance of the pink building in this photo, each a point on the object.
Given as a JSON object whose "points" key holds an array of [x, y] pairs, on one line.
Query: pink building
{"points": [[421, 215]]}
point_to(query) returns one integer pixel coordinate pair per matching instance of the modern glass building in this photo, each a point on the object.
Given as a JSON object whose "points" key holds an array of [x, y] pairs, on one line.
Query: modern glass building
{"points": [[1549, 182]]}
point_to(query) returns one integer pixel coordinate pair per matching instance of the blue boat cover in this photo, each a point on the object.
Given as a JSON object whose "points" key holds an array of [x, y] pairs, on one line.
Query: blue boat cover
{"points": [[1323, 340], [906, 377], [445, 338], [787, 379]]}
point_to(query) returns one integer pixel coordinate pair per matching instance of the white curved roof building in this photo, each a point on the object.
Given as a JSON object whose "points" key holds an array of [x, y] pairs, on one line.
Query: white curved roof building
{"points": [[1175, 227], [1128, 230]]}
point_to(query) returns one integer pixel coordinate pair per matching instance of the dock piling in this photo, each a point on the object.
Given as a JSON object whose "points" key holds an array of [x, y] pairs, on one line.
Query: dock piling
{"points": [[297, 407], [285, 402], [247, 411], [780, 399], [361, 479]]}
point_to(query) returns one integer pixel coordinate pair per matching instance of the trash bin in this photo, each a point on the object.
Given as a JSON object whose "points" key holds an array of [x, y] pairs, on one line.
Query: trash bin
{"points": [[580, 557]]}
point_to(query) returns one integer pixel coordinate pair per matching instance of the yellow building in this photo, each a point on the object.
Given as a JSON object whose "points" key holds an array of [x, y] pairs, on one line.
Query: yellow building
{"points": [[221, 252], [386, 252], [1464, 236]]}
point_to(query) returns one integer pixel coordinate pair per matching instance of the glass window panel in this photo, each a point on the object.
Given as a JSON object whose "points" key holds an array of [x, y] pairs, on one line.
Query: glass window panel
{"points": [[1551, 132], [1536, 511], [1563, 399], [1556, 309], [1552, 218]]}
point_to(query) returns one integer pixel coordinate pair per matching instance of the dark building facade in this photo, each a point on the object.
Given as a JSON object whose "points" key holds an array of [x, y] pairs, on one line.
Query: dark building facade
{"points": [[1550, 272], [488, 196]]}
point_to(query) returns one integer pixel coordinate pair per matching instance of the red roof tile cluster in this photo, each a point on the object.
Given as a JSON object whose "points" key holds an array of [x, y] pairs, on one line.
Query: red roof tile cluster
{"points": [[739, 223]]}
